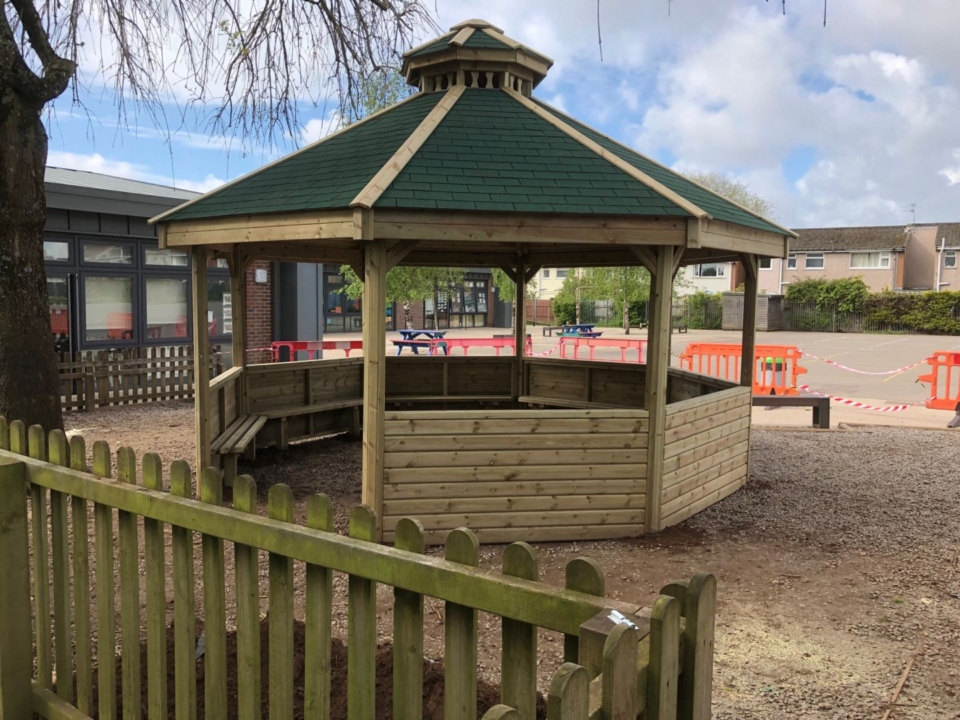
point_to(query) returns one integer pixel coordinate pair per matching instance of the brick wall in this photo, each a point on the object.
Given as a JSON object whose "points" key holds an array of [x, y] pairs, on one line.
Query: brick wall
{"points": [[259, 312]]}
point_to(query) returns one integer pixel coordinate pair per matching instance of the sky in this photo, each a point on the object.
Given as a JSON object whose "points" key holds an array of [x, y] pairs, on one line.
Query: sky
{"points": [[848, 124]]}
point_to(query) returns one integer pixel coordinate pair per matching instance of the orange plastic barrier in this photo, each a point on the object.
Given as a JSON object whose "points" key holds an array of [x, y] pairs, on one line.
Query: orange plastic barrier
{"points": [[312, 347], [622, 344], [944, 379], [497, 343], [775, 371]]}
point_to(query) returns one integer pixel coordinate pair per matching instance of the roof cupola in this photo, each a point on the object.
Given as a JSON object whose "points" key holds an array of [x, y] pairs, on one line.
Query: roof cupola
{"points": [[475, 54]]}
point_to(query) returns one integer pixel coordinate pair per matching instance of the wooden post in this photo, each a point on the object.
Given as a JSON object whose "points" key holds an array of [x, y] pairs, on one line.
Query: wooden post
{"points": [[520, 325], [16, 643], [238, 297], [747, 361], [201, 356], [658, 363], [374, 362]]}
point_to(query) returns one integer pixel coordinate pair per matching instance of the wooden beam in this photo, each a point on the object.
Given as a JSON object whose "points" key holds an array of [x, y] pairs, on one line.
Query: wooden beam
{"points": [[658, 363], [520, 327], [741, 239], [399, 251], [677, 259], [259, 228], [693, 232], [647, 258], [462, 35], [201, 357], [496, 228], [529, 274], [238, 298], [388, 173], [750, 290], [340, 253], [508, 271], [374, 365], [610, 157]]}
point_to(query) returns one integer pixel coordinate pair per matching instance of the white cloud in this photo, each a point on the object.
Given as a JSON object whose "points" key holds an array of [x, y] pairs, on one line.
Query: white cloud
{"points": [[318, 128], [95, 162], [952, 174]]}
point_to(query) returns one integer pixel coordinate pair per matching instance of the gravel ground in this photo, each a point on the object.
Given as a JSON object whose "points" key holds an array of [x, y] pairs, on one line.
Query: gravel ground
{"points": [[836, 563]]}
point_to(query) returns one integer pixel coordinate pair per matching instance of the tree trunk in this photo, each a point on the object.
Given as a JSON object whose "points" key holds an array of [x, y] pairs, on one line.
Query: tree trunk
{"points": [[29, 383], [626, 316], [406, 315]]}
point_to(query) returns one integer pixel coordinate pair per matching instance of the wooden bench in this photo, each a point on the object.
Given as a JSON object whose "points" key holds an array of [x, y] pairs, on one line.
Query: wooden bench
{"points": [[401, 399], [820, 405], [282, 414], [548, 330], [238, 436], [564, 403]]}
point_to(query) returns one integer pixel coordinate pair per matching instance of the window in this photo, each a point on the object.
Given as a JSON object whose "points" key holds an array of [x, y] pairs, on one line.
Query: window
{"points": [[56, 251], [469, 298], [950, 258], [869, 260], [107, 253], [709, 270], [58, 292], [166, 300], [219, 308], [561, 272], [108, 308], [764, 263], [791, 262], [813, 261], [546, 272], [165, 258]]}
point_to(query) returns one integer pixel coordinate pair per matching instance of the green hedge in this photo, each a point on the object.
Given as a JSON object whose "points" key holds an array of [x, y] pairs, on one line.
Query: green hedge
{"points": [[934, 313]]}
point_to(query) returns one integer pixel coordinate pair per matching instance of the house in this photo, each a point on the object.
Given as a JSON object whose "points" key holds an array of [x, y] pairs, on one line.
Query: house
{"points": [[915, 257], [548, 281], [710, 278]]}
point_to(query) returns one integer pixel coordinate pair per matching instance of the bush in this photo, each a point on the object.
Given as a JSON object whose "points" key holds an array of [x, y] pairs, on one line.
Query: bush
{"points": [[846, 295], [564, 310], [934, 313], [703, 310]]}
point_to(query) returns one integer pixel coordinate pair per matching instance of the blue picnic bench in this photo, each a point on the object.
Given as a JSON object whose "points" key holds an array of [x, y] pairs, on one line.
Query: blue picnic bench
{"points": [[408, 339], [580, 330]]}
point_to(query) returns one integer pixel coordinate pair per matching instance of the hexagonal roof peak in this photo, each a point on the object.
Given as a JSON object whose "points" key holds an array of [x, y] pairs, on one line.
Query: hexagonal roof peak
{"points": [[475, 53]]}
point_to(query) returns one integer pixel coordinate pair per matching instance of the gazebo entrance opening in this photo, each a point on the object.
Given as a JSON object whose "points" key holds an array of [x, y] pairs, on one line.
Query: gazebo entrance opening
{"points": [[474, 172]]}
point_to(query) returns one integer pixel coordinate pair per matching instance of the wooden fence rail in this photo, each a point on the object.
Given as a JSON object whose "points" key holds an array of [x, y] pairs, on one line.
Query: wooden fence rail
{"points": [[97, 378], [622, 660]]}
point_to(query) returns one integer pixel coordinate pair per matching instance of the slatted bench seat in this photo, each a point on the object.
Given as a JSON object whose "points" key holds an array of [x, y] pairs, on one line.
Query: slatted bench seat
{"points": [[820, 405], [564, 403], [238, 436], [448, 398]]}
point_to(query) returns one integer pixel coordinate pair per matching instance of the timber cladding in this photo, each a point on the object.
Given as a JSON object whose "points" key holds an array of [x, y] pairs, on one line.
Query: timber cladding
{"points": [[540, 475], [706, 452], [614, 384], [296, 385]]}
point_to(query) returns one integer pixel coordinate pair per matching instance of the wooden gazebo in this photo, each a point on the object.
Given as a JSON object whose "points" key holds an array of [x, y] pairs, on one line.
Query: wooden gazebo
{"points": [[472, 170]]}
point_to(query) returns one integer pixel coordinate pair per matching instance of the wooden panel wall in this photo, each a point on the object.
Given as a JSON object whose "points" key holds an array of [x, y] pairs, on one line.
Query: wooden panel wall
{"points": [[292, 385], [222, 408], [614, 384], [537, 475], [686, 385], [447, 375], [706, 453]]}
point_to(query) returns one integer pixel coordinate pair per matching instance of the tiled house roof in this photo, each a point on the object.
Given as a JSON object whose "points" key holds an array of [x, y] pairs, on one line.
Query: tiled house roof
{"points": [[847, 239]]}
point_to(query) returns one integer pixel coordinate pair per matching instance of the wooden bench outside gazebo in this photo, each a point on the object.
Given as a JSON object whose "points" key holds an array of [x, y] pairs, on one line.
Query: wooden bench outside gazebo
{"points": [[473, 171]]}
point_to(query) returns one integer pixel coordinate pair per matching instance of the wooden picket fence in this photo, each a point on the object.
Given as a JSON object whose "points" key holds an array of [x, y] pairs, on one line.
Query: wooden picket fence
{"points": [[622, 660], [97, 378]]}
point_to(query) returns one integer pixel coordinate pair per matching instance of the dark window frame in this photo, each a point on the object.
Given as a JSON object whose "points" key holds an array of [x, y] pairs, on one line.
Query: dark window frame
{"points": [[97, 272]]}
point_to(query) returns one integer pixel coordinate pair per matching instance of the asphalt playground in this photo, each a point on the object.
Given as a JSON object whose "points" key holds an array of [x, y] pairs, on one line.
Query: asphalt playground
{"points": [[864, 352]]}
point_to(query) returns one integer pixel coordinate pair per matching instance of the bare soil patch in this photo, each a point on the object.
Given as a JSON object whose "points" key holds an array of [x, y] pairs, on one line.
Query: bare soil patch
{"points": [[834, 562]]}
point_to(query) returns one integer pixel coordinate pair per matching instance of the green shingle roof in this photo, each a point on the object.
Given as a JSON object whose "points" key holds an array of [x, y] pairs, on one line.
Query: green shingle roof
{"points": [[718, 206], [439, 44], [480, 39], [320, 177], [491, 153]]}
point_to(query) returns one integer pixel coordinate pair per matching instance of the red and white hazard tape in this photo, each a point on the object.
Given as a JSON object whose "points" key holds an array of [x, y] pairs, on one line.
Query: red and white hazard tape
{"points": [[549, 352], [864, 372], [860, 405], [249, 350]]}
